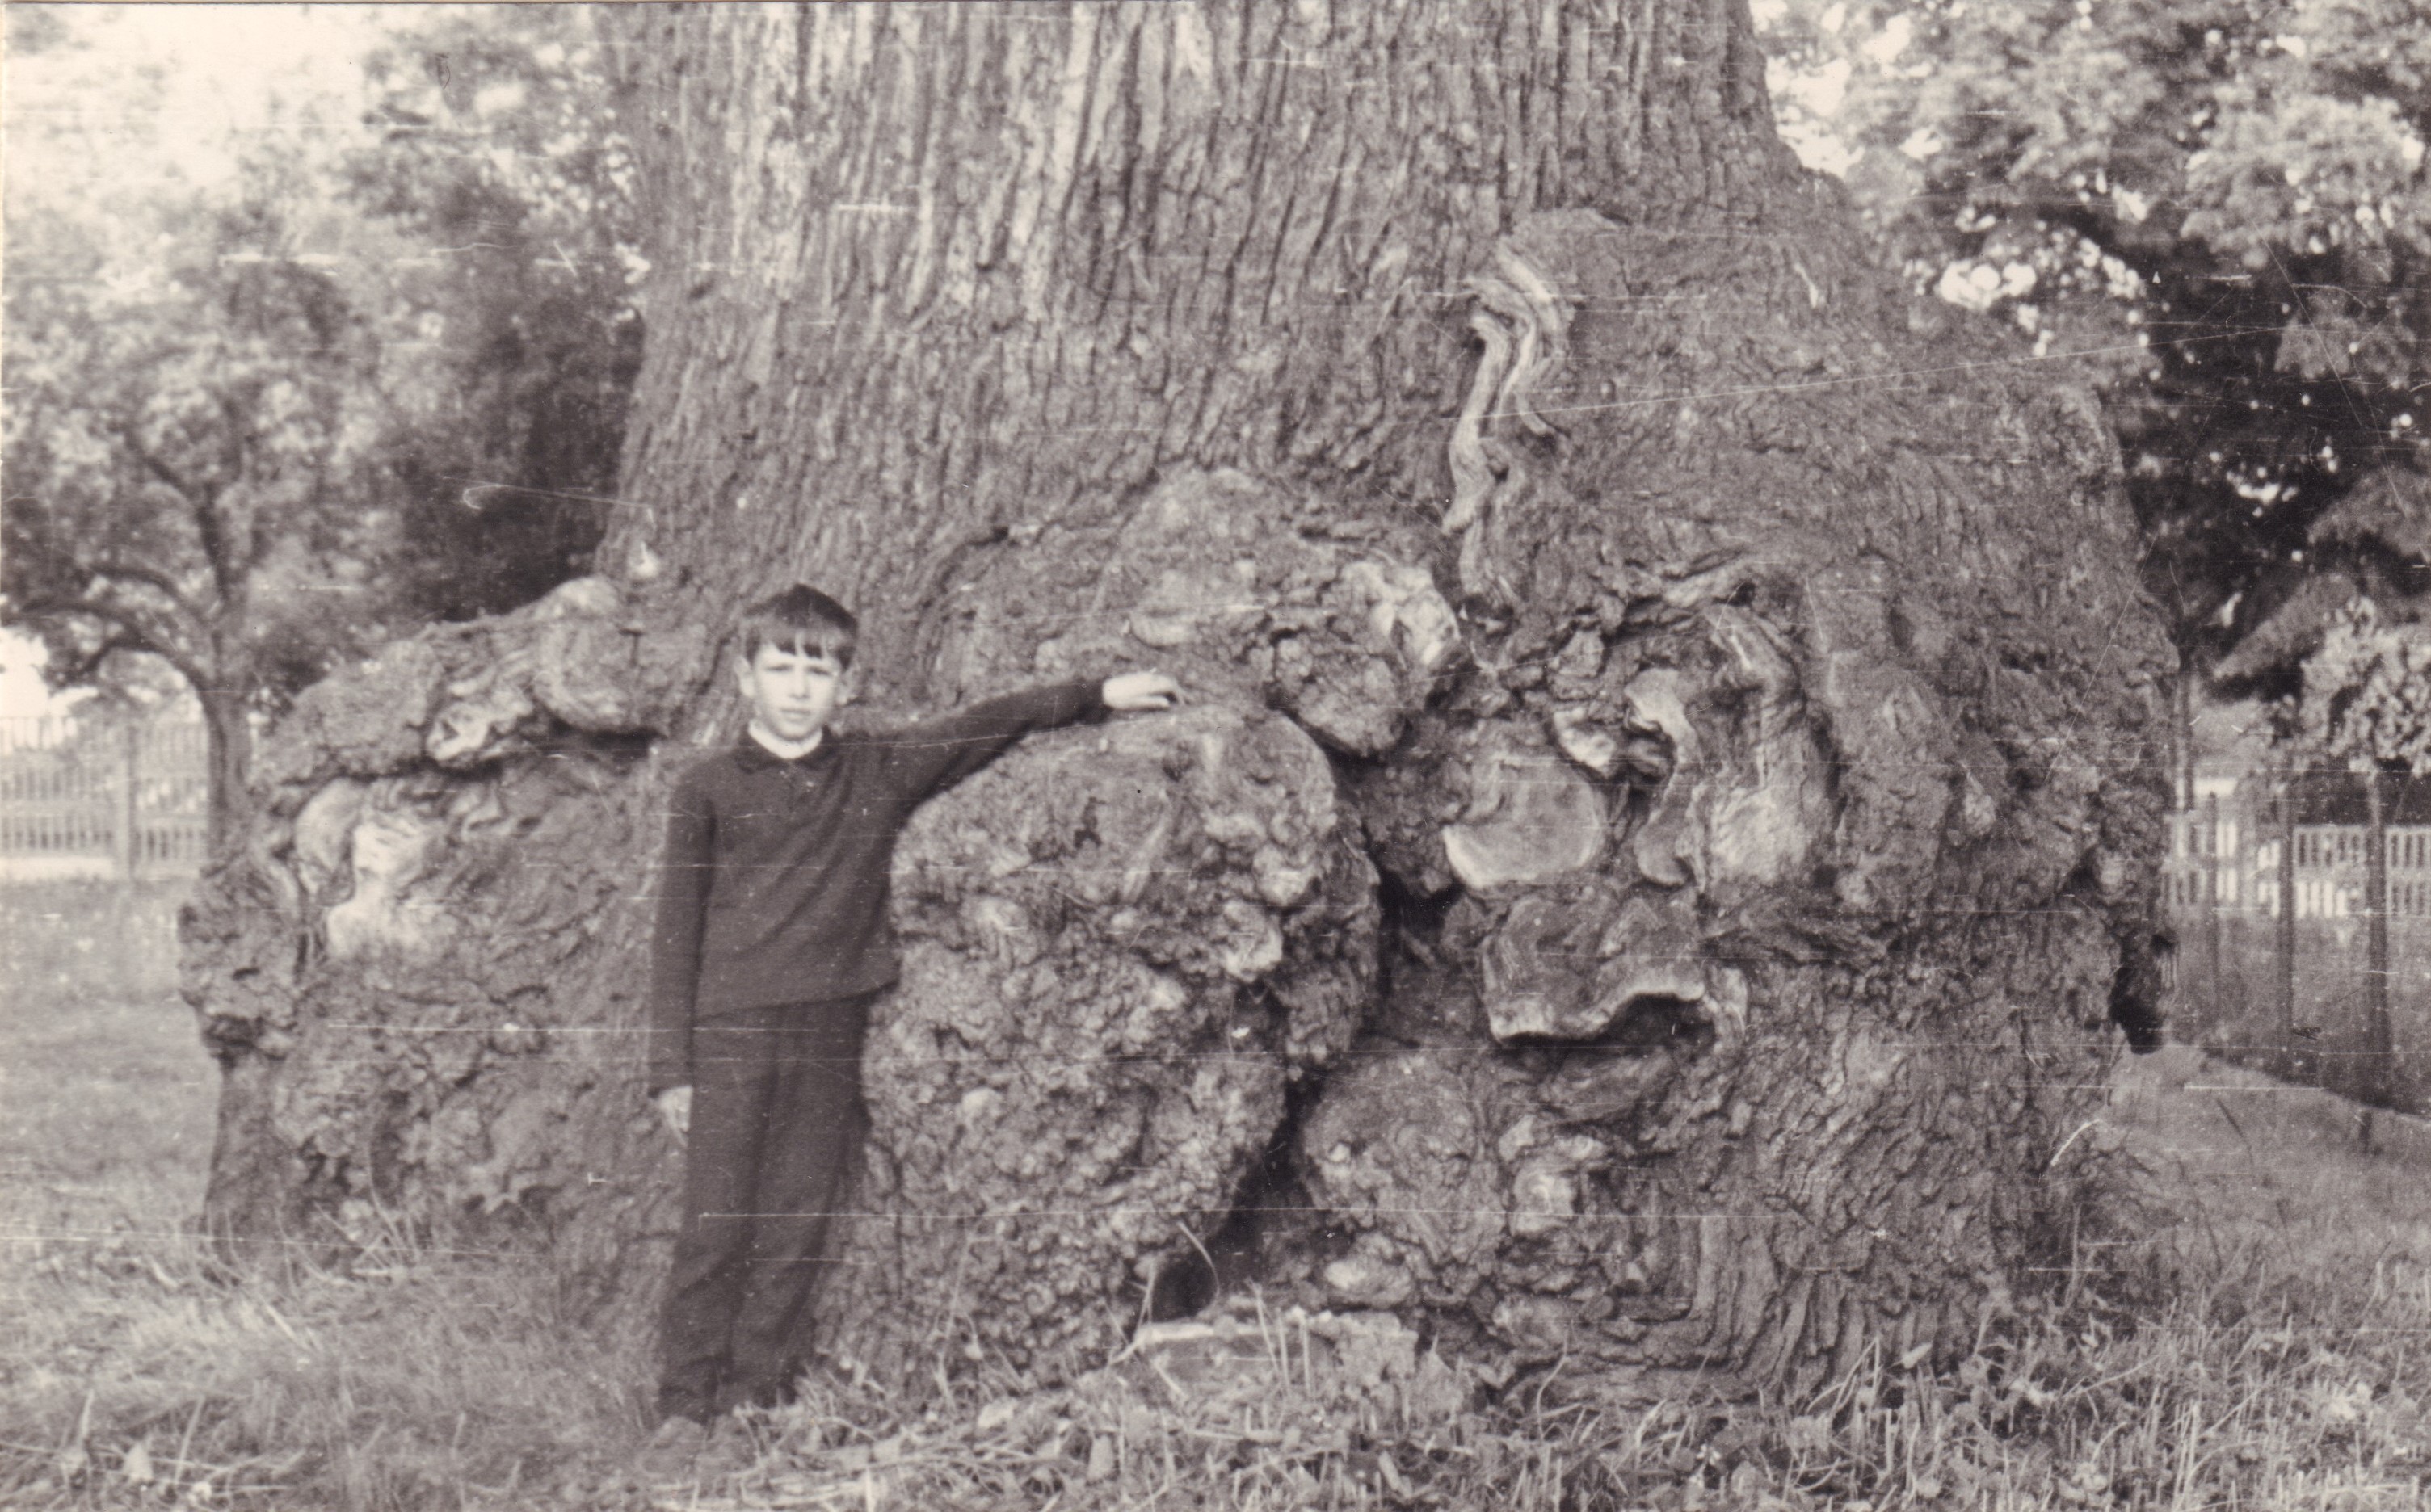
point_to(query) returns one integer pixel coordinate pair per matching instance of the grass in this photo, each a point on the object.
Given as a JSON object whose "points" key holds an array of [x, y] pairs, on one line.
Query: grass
{"points": [[2265, 1344], [137, 1371]]}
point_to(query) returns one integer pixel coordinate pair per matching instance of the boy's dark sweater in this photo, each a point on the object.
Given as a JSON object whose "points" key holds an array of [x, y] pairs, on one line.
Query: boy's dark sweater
{"points": [[773, 885]]}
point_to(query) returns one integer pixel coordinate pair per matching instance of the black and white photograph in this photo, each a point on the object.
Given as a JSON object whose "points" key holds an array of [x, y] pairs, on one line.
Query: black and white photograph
{"points": [[1216, 755]]}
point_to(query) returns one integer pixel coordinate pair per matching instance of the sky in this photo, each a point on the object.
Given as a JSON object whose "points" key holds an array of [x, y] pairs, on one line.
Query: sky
{"points": [[21, 676], [230, 75]]}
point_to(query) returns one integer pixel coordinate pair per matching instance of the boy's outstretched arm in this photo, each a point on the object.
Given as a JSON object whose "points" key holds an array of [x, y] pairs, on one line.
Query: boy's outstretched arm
{"points": [[929, 758]]}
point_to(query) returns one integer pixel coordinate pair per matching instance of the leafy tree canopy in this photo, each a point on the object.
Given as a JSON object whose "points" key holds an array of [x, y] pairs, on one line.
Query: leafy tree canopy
{"points": [[494, 140], [2220, 204], [195, 404], [288, 378]]}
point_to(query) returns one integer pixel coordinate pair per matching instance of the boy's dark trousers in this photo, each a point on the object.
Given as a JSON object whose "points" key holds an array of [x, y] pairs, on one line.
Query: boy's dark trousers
{"points": [[776, 1116]]}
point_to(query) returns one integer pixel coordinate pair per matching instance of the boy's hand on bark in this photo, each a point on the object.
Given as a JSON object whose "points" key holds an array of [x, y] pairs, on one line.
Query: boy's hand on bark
{"points": [[675, 1105], [1140, 692]]}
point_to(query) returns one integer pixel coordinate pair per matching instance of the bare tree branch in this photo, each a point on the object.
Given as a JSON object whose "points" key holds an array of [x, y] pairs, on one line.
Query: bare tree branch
{"points": [[84, 668], [202, 501], [161, 581], [240, 435], [153, 464], [133, 633]]}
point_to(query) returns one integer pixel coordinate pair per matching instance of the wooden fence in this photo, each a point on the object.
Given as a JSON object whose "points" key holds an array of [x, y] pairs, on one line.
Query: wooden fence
{"points": [[95, 798]]}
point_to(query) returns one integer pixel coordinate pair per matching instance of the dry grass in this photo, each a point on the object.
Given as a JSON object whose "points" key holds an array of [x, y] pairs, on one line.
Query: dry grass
{"points": [[134, 1370], [2269, 1346], [136, 1375]]}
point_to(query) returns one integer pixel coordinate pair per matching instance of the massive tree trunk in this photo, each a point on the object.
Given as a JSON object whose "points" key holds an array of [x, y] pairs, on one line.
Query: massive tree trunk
{"points": [[1672, 782]]}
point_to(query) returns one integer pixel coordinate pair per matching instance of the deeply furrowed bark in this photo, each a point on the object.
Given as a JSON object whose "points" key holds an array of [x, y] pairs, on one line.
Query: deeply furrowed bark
{"points": [[1672, 794]]}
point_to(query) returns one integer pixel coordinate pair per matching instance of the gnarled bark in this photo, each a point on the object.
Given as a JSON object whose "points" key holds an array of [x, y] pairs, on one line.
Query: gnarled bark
{"points": [[1671, 791]]}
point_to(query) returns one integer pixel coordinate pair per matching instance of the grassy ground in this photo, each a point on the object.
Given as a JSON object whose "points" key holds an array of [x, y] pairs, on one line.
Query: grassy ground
{"points": [[134, 1370], [2267, 1343]]}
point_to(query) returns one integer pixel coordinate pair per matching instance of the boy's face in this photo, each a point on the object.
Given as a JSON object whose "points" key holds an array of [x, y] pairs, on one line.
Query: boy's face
{"points": [[792, 692]]}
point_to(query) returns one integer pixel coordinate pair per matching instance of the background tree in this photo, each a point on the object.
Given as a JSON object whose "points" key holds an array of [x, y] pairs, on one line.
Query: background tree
{"points": [[188, 453], [362, 379], [2224, 201], [1669, 796], [495, 141]]}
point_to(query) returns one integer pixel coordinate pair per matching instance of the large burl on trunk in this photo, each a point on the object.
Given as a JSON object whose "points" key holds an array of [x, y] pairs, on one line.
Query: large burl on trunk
{"points": [[1668, 798]]}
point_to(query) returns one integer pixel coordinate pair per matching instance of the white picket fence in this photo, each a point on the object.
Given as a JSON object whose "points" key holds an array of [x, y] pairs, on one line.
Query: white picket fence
{"points": [[2216, 862], [102, 798]]}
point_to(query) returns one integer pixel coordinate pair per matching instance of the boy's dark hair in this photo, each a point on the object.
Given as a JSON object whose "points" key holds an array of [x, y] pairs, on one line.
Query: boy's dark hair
{"points": [[803, 621]]}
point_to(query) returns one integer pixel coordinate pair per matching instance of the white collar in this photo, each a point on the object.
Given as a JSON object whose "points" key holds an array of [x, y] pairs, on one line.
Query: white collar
{"points": [[785, 750]]}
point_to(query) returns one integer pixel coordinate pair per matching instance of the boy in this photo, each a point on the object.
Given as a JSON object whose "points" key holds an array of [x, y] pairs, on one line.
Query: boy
{"points": [[772, 943]]}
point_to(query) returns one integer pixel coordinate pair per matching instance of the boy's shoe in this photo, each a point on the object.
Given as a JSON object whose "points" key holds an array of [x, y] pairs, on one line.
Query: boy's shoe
{"points": [[673, 1451]]}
